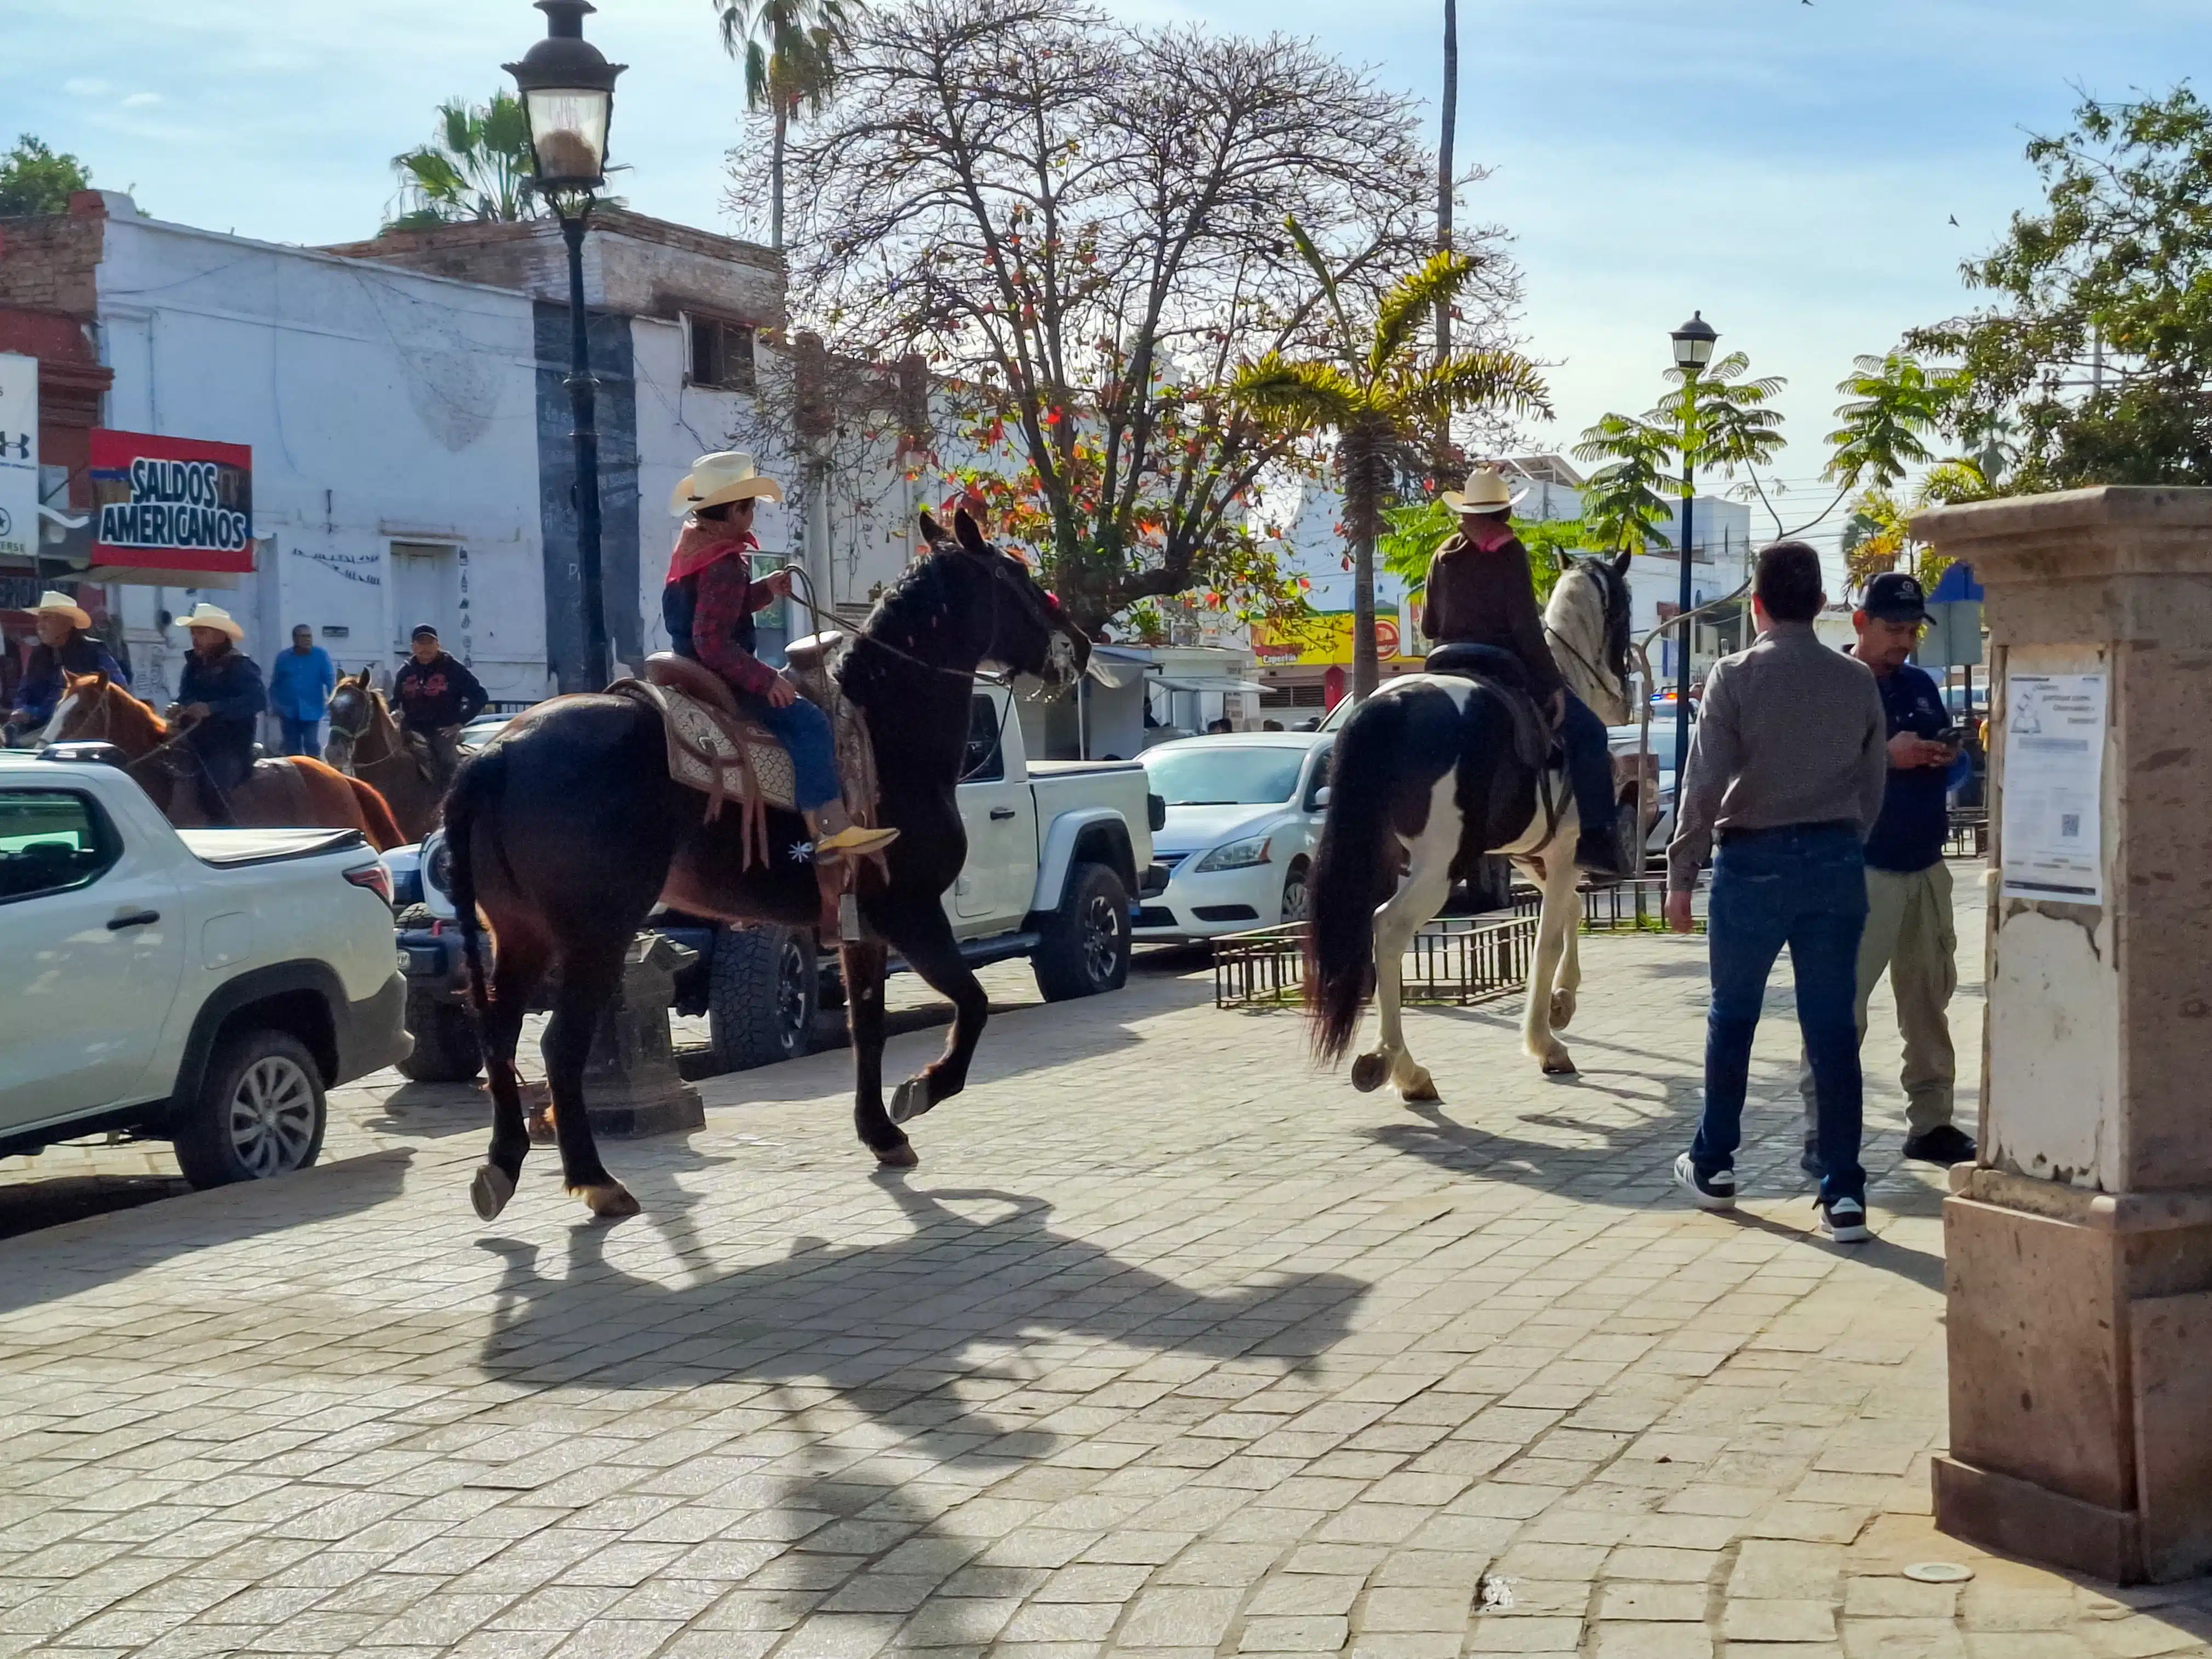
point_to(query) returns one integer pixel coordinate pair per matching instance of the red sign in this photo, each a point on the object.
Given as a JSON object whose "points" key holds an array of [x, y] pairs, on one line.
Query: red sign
{"points": [[1386, 638], [171, 503]]}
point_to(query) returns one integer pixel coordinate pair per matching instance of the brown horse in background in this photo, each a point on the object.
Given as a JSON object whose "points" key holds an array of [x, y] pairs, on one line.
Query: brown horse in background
{"points": [[366, 742], [295, 792]]}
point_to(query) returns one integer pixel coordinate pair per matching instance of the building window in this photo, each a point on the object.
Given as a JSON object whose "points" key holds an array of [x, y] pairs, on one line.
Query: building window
{"points": [[721, 354]]}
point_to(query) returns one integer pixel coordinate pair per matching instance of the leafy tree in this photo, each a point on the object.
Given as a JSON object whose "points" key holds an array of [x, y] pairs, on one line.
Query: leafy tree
{"points": [[35, 180], [2098, 348], [477, 167], [1079, 224], [1895, 404], [1379, 394], [790, 49], [1415, 530], [1622, 503]]}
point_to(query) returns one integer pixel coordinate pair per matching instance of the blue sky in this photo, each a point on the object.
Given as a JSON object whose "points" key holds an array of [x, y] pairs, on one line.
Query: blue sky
{"points": [[1789, 169]]}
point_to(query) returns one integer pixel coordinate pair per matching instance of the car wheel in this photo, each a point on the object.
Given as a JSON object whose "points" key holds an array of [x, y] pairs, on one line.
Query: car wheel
{"points": [[259, 1112], [763, 988], [446, 1049], [1627, 841], [1086, 947], [1294, 892]]}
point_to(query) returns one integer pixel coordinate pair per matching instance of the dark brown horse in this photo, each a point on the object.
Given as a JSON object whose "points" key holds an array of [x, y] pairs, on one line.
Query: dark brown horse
{"points": [[366, 743], [565, 830]]}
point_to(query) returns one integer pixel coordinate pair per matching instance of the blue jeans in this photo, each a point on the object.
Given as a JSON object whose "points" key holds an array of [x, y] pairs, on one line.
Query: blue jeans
{"points": [[1804, 887], [804, 730], [302, 737], [1589, 767]]}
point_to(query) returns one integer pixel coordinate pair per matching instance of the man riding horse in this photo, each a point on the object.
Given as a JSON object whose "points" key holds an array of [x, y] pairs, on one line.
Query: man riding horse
{"points": [[220, 697], [709, 606], [1480, 595]]}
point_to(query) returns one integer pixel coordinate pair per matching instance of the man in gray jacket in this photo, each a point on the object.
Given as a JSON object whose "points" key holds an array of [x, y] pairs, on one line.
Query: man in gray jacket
{"points": [[1786, 770]]}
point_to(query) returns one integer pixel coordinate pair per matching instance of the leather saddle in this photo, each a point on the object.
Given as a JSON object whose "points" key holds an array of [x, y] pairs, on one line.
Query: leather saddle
{"points": [[1534, 740]]}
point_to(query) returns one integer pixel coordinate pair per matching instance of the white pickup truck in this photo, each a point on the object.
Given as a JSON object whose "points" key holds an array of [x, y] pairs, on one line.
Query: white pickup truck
{"points": [[1059, 851], [203, 987]]}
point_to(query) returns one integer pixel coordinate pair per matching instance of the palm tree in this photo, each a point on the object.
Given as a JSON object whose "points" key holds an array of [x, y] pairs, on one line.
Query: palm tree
{"points": [[477, 167], [1622, 503], [1372, 388], [789, 49]]}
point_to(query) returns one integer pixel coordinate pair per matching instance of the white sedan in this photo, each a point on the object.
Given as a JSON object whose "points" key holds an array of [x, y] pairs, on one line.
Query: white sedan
{"points": [[1244, 813]]}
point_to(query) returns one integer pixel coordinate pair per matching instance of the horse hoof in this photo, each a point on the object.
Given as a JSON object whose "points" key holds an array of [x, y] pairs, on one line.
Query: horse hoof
{"points": [[1419, 1087], [1367, 1072], [490, 1190], [1563, 1009], [610, 1201], [1559, 1065], [900, 1156], [911, 1100]]}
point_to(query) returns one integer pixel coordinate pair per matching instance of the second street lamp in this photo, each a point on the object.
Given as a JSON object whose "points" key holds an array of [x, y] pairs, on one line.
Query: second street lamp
{"points": [[569, 93], [1693, 350]]}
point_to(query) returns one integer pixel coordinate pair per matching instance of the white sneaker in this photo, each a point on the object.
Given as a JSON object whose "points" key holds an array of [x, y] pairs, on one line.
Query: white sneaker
{"points": [[1714, 1192], [1844, 1219]]}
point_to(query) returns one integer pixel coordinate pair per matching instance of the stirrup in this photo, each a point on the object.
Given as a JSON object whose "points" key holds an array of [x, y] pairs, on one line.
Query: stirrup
{"points": [[856, 840]]}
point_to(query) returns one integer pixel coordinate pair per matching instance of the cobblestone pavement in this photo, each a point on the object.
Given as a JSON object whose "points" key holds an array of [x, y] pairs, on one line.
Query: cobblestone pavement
{"points": [[1170, 1344]]}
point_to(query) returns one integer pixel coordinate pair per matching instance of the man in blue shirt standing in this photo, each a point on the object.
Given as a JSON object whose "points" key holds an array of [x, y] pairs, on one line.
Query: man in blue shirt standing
{"points": [[1908, 932], [300, 682]]}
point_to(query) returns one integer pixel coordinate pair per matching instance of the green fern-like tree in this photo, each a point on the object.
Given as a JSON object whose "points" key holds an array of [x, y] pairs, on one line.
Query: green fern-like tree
{"points": [[790, 51], [1383, 398], [477, 167]]}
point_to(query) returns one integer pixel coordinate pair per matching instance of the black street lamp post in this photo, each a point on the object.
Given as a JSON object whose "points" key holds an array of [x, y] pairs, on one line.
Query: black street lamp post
{"points": [[568, 93], [1693, 350]]}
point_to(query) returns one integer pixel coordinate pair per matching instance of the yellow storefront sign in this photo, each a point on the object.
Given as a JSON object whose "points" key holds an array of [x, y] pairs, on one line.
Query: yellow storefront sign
{"points": [[1322, 639]]}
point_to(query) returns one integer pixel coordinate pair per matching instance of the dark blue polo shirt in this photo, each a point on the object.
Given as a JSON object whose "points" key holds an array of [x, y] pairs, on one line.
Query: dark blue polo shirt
{"points": [[1915, 808]]}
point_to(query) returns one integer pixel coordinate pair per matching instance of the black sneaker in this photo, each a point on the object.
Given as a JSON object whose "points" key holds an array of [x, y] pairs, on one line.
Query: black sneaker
{"points": [[1942, 1145], [1810, 1159], [1844, 1219], [1715, 1191], [1598, 855]]}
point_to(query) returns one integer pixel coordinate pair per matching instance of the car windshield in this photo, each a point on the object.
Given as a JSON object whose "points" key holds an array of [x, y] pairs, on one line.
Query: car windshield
{"points": [[1222, 774]]}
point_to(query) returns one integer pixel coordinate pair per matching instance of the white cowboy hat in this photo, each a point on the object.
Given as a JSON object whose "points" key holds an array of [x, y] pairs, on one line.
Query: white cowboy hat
{"points": [[55, 604], [213, 615], [1486, 492], [728, 476]]}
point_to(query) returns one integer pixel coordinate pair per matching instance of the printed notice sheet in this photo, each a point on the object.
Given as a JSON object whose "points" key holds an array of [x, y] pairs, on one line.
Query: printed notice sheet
{"points": [[2054, 757]]}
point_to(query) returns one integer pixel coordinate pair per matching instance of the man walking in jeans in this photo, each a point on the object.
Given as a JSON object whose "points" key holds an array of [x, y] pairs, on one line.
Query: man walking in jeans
{"points": [[1787, 769], [1909, 933]]}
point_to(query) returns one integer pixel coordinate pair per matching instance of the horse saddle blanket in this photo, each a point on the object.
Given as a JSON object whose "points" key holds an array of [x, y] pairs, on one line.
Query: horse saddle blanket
{"points": [[1533, 741]]}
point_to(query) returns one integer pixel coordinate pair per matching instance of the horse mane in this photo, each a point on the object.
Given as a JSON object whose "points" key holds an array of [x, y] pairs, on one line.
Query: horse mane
{"points": [[924, 593], [131, 706]]}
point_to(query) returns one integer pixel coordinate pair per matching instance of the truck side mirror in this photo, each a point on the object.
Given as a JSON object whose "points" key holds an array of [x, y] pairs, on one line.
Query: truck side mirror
{"points": [[1320, 798], [1156, 813]]}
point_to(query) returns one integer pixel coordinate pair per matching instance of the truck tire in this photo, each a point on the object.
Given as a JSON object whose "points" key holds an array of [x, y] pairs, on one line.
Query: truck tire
{"points": [[1294, 892], [414, 917], [446, 1049], [259, 1111], [1628, 838], [761, 991], [1086, 947]]}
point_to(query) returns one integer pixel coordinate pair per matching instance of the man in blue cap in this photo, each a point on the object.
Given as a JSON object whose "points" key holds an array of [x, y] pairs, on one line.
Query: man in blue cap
{"points": [[1909, 933]]}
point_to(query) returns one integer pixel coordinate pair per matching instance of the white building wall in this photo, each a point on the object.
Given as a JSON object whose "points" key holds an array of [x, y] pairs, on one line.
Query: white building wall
{"points": [[382, 407]]}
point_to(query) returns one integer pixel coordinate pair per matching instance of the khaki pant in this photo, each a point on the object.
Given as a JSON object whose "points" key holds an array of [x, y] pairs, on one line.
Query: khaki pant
{"points": [[1909, 933]]}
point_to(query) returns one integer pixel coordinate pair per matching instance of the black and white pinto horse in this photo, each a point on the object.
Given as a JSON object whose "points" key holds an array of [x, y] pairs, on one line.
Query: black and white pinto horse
{"points": [[1427, 777]]}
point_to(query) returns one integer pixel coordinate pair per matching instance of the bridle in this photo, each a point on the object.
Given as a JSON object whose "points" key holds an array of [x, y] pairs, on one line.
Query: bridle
{"points": [[107, 730], [1560, 643]]}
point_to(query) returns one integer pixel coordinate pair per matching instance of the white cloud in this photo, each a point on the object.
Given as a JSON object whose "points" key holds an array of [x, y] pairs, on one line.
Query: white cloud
{"points": [[85, 87]]}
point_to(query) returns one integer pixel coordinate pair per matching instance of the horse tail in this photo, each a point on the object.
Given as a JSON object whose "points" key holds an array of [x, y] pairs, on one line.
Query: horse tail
{"points": [[478, 784], [1352, 871], [384, 830]]}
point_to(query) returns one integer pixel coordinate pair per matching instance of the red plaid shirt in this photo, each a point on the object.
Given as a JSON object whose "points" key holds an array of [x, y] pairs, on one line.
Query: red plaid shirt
{"points": [[726, 601]]}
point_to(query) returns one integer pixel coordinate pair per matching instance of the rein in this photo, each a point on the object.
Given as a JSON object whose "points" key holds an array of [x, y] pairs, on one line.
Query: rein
{"points": [[106, 732]]}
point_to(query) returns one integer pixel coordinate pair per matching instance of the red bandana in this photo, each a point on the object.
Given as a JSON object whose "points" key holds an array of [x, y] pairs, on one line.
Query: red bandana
{"points": [[698, 544], [1494, 533]]}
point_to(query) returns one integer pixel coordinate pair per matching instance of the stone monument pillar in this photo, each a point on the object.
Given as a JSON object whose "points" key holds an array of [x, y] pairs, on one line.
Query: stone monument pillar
{"points": [[631, 1085], [2078, 1251]]}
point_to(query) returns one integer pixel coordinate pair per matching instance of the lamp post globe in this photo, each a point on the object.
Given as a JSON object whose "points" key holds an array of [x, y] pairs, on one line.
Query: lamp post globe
{"points": [[568, 94], [1693, 350]]}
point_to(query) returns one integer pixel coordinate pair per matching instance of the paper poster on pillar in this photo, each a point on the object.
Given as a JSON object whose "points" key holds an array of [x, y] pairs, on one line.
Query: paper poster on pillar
{"points": [[2054, 787]]}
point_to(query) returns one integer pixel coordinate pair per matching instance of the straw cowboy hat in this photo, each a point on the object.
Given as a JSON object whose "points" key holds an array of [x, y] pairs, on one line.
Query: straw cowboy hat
{"points": [[728, 476], [1486, 492], [213, 615], [54, 603]]}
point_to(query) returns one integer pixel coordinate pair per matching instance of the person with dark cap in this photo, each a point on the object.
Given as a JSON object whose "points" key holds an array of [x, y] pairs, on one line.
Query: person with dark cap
{"points": [[1786, 771], [1908, 932], [437, 696]]}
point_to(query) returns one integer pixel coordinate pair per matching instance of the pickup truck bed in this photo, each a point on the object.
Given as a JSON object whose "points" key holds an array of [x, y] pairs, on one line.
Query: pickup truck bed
{"points": [[229, 848]]}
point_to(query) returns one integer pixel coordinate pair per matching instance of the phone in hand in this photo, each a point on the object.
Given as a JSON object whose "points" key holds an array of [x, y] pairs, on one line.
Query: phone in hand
{"points": [[1952, 737]]}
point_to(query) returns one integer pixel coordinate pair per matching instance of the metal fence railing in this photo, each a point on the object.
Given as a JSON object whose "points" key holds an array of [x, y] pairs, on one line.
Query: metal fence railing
{"points": [[1969, 835], [1454, 961]]}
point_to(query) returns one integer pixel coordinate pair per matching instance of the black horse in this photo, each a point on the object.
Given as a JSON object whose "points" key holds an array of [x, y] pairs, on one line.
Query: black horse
{"points": [[567, 830]]}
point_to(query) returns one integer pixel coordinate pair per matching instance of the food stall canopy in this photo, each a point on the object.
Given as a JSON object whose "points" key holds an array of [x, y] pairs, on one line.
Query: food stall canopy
{"points": [[1206, 682]]}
